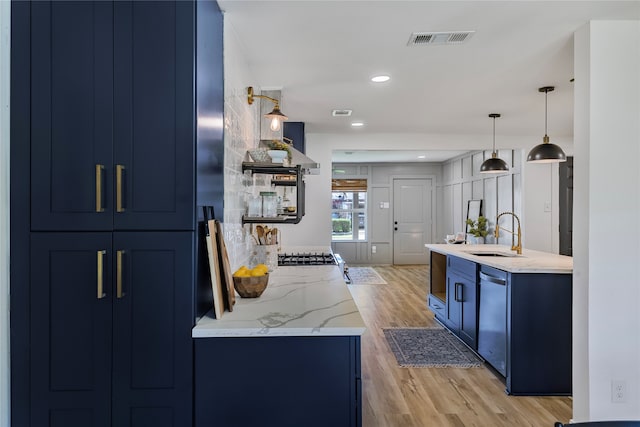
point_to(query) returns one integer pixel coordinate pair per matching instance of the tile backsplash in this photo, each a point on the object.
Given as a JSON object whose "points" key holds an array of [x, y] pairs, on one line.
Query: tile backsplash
{"points": [[241, 133]]}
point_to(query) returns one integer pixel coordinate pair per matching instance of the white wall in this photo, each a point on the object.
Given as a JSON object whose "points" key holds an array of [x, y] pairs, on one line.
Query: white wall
{"points": [[5, 46], [540, 186], [606, 288], [5, 50]]}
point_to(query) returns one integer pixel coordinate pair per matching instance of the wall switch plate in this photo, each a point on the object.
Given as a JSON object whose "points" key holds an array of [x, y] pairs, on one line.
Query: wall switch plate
{"points": [[618, 391], [374, 249]]}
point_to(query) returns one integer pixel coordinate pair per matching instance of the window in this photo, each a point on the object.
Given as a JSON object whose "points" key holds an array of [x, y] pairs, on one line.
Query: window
{"points": [[349, 209]]}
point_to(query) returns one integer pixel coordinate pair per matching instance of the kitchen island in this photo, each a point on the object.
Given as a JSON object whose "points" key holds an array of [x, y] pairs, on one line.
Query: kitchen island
{"points": [[289, 357], [512, 309]]}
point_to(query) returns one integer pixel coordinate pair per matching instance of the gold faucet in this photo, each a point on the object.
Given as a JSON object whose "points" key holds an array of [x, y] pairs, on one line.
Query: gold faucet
{"points": [[517, 248]]}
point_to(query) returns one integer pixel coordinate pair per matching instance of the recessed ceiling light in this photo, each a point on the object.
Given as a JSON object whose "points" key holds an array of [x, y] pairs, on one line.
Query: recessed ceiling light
{"points": [[422, 157], [380, 79], [357, 124]]}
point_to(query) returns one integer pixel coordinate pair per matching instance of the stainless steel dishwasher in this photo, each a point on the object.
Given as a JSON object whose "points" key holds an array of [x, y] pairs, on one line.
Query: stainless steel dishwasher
{"points": [[492, 318]]}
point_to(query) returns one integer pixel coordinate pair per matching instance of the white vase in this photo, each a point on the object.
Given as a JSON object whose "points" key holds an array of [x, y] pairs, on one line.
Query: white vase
{"points": [[277, 156], [479, 240]]}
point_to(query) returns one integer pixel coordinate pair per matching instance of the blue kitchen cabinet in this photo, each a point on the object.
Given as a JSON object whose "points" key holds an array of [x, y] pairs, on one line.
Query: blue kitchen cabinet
{"points": [[112, 123], [111, 329], [310, 381], [95, 86], [461, 313], [294, 131], [70, 336]]}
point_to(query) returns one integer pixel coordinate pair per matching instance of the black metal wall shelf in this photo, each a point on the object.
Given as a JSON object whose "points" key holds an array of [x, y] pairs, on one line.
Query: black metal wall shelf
{"points": [[275, 169]]}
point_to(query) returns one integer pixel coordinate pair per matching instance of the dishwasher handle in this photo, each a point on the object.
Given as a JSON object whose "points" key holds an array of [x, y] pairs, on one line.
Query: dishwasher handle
{"points": [[492, 279]]}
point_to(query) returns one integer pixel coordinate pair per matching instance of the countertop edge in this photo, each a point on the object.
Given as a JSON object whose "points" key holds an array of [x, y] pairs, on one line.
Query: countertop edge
{"points": [[540, 262], [278, 332]]}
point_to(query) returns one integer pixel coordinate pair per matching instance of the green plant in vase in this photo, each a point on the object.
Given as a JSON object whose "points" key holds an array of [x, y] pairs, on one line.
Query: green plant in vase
{"points": [[478, 228]]}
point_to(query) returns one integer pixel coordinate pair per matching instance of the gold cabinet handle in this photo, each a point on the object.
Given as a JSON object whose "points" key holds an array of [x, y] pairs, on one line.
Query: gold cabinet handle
{"points": [[99, 170], [119, 268], [101, 293], [119, 189]]}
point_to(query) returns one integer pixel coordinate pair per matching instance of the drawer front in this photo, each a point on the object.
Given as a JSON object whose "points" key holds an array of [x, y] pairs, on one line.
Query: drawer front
{"points": [[462, 266], [437, 306]]}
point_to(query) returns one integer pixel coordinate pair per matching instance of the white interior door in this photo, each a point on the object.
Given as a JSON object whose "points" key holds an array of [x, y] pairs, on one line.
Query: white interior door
{"points": [[411, 220]]}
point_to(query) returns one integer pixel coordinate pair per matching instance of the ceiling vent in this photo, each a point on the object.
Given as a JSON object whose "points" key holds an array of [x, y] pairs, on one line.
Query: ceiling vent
{"points": [[446, 37], [341, 113]]}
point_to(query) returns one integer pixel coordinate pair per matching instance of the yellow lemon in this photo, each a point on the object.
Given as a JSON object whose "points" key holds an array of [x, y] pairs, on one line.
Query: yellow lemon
{"points": [[257, 272]]}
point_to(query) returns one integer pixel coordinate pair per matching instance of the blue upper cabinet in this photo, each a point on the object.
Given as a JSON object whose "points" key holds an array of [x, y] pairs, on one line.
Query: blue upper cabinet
{"points": [[112, 116], [295, 132]]}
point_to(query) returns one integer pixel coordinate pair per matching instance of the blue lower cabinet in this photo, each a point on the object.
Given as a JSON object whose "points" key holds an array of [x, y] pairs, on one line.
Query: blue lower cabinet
{"points": [[278, 382], [539, 334], [111, 329]]}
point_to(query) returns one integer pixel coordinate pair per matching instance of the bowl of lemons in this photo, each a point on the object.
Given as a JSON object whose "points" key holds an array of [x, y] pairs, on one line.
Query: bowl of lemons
{"points": [[251, 282]]}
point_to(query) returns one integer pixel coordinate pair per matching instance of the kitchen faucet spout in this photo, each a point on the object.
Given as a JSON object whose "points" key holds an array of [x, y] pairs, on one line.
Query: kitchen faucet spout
{"points": [[518, 247]]}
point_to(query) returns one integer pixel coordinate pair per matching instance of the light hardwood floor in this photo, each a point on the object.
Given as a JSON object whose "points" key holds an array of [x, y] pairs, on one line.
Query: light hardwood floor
{"points": [[439, 397]]}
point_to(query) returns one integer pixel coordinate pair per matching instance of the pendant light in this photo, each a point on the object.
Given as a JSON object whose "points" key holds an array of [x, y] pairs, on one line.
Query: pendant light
{"points": [[546, 152], [494, 164]]}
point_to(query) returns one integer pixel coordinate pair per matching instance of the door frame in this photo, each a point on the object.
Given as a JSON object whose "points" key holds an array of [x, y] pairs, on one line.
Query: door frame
{"points": [[434, 218]]}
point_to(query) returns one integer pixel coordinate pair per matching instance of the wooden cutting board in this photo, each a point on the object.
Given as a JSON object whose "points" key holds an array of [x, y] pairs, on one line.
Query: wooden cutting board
{"points": [[227, 274], [214, 269]]}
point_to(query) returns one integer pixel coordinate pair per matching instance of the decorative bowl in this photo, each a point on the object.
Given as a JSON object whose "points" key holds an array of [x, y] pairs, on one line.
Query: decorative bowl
{"points": [[277, 156], [250, 287], [260, 156]]}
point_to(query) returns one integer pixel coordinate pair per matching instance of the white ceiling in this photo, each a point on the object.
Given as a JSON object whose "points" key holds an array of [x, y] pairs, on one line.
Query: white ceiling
{"points": [[321, 54]]}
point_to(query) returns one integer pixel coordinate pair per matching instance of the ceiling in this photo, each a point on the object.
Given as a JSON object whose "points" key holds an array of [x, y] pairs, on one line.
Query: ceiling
{"points": [[322, 54]]}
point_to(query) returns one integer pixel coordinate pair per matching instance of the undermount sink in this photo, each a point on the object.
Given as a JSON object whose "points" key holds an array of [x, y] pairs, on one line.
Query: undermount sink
{"points": [[496, 254]]}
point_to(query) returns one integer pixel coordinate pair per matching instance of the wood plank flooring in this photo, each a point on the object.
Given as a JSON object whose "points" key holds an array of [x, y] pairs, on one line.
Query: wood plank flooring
{"points": [[439, 397]]}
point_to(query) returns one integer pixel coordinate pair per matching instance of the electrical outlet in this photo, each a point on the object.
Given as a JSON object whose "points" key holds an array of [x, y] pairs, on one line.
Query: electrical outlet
{"points": [[373, 249], [618, 391]]}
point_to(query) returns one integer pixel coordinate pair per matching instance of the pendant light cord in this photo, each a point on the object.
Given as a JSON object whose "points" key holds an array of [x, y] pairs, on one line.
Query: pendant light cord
{"points": [[545, 112], [494, 135]]}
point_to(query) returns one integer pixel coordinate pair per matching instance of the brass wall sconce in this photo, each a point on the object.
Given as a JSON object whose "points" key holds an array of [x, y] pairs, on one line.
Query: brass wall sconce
{"points": [[275, 115]]}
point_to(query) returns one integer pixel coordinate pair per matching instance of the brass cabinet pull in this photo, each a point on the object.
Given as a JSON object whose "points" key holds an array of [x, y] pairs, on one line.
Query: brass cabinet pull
{"points": [[119, 189], [119, 267], [101, 293], [99, 170]]}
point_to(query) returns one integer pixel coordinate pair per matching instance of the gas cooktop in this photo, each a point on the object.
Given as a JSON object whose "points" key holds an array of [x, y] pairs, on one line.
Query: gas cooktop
{"points": [[306, 258]]}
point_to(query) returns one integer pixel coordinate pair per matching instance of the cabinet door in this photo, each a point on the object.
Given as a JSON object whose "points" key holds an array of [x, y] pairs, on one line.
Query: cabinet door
{"points": [[469, 313], [70, 329], [295, 132], [154, 119], [71, 115], [453, 306], [152, 349]]}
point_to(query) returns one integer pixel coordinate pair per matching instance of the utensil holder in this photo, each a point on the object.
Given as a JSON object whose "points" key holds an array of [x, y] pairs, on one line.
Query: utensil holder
{"points": [[267, 255]]}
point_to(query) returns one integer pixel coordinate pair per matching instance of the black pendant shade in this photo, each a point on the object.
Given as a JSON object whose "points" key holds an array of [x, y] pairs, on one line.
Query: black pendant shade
{"points": [[546, 152], [495, 164]]}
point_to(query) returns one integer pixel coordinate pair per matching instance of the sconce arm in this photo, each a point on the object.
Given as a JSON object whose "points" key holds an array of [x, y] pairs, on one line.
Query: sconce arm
{"points": [[251, 95]]}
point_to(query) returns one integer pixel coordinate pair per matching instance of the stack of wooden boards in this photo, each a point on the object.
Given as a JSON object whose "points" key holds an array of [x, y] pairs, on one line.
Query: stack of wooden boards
{"points": [[224, 296]]}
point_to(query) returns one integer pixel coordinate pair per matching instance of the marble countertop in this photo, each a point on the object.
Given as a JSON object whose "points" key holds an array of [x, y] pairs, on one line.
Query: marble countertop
{"points": [[298, 301], [529, 262]]}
